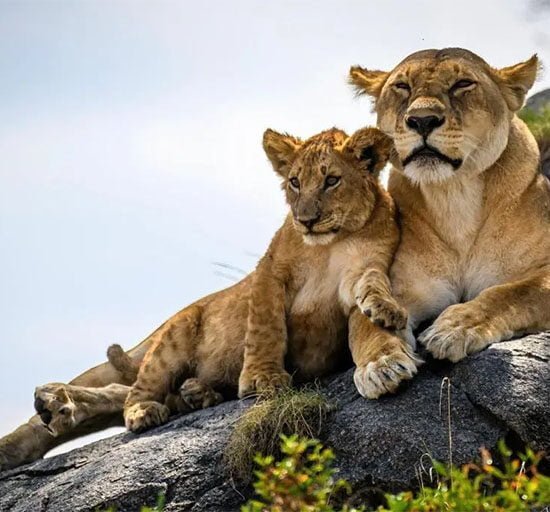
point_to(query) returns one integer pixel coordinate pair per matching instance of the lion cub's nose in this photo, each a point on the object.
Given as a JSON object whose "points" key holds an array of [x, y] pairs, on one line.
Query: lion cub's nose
{"points": [[424, 125], [308, 222]]}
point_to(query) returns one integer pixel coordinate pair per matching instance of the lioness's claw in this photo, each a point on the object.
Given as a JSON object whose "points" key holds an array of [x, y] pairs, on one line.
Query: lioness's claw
{"points": [[457, 332], [55, 407]]}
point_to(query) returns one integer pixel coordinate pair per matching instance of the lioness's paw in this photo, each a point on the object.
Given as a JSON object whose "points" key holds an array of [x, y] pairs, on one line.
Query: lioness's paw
{"points": [[144, 415], [460, 330], [55, 407], [383, 311], [384, 375], [197, 395], [254, 382]]}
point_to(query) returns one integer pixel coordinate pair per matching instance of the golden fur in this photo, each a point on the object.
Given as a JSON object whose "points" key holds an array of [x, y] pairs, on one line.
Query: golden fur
{"points": [[322, 277], [475, 218]]}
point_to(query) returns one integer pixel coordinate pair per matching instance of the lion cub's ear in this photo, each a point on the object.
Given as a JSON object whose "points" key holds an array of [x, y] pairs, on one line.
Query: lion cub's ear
{"points": [[366, 81], [281, 150], [369, 148], [517, 80]]}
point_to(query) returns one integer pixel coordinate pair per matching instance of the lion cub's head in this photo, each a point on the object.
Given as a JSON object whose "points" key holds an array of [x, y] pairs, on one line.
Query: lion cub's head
{"points": [[447, 110], [329, 179]]}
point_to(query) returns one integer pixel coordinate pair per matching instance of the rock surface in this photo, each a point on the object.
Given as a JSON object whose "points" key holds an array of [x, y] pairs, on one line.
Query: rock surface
{"points": [[503, 391], [538, 101]]}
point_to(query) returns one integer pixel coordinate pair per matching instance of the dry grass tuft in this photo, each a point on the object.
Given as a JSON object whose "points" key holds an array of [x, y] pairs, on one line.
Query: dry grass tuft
{"points": [[288, 411]]}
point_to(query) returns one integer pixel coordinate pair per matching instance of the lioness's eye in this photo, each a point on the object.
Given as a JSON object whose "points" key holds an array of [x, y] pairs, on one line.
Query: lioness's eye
{"points": [[462, 84], [403, 86], [295, 183], [331, 181]]}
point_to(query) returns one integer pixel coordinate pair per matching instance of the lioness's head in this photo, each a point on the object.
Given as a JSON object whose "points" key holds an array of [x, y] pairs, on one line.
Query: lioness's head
{"points": [[447, 111], [329, 179]]}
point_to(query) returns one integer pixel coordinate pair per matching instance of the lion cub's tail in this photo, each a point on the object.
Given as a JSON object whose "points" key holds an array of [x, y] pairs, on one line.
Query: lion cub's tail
{"points": [[123, 363]]}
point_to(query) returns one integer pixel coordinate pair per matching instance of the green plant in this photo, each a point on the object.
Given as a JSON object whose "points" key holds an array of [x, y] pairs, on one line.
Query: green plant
{"points": [[304, 481], [538, 122], [288, 411]]}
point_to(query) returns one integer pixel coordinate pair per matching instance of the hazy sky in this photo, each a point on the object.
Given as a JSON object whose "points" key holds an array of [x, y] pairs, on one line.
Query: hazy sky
{"points": [[130, 149]]}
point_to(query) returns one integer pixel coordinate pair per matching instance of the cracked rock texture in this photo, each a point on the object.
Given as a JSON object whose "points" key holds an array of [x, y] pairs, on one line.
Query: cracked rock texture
{"points": [[503, 391]]}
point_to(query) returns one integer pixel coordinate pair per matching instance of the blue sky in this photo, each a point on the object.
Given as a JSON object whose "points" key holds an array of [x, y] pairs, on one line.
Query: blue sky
{"points": [[130, 149]]}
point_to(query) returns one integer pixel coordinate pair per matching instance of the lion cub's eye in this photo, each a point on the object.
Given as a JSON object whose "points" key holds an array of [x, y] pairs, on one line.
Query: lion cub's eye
{"points": [[461, 85], [331, 181], [295, 183]]}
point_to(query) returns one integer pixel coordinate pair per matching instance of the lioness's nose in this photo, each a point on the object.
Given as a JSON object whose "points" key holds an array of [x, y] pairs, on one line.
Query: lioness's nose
{"points": [[424, 125], [308, 222]]}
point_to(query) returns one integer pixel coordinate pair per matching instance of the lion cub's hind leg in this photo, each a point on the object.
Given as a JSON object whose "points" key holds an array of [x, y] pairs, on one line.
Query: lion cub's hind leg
{"points": [[193, 395], [62, 407], [171, 353]]}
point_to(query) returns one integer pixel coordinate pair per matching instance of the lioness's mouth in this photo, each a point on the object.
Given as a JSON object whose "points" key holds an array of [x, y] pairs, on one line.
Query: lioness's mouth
{"points": [[427, 151]]}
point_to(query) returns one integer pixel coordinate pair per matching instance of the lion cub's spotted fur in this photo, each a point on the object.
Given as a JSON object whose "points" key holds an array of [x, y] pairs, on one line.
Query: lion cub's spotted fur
{"points": [[328, 260], [321, 285]]}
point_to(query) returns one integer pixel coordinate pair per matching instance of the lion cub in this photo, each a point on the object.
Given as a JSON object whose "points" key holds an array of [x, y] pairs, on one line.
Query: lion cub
{"points": [[322, 282]]}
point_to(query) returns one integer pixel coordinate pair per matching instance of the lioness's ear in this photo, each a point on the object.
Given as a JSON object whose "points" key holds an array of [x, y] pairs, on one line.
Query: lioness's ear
{"points": [[517, 80], [366, 81], [281, 150], [370, 148]]}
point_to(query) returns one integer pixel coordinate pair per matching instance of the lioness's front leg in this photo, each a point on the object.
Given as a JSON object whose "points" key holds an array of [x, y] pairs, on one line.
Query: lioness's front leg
{"points": [[266, 336], [496, 314], [383, 359]]}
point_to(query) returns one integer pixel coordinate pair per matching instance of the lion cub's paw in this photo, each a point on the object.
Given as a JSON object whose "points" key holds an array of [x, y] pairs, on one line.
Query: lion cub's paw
{"points": [[197, 395], [144, 415], [384, 375], [254, 382], [55, 407], [460, 330], [383, 311]]}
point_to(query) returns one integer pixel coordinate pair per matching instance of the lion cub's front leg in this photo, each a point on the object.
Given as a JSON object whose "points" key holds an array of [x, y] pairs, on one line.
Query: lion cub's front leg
{"points": [[383, 360], [373, 297], [266, 336]]}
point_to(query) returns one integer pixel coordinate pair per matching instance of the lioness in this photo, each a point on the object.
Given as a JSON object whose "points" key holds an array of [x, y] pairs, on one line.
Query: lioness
{"points": [[323, 276], [474, 208]]}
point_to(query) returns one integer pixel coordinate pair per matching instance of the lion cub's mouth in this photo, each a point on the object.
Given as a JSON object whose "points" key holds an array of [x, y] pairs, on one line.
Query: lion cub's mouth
{"points": [[427, 152]]}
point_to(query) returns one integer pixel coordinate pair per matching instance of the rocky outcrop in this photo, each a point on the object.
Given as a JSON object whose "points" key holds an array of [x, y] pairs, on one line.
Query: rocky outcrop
{"points": [[539, 101], [503, 391]]}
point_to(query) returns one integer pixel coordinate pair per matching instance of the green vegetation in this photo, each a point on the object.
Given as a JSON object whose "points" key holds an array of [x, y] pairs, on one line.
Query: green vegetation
{"points": [[290, 411], [303, 481], [538, 122]]}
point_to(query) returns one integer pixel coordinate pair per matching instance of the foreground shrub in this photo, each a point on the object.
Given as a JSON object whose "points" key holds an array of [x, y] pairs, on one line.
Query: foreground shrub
{"points": [[304, 481]]}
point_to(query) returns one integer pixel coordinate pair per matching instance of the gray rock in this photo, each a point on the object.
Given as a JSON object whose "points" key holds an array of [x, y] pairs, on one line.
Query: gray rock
{"points": [[538, 101], [501, 392]]}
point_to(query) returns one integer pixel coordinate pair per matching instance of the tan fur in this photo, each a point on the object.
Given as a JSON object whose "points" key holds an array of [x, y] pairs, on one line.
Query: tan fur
{"points": [[478, 233], [289, 315], [330, 256]]}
